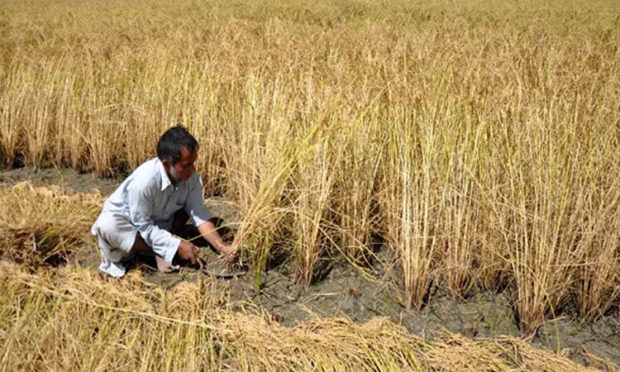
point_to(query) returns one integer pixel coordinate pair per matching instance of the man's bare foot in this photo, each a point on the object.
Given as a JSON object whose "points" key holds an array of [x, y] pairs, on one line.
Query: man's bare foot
{"points": [[164, 266]]}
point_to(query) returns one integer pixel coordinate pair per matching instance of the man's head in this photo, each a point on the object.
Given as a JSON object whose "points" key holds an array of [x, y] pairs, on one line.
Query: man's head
{"points": [[177, 149]]}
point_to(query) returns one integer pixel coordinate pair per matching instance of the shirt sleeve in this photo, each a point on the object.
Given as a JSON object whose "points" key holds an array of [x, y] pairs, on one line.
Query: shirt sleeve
{"points": [[194, 205], [141, 201]]}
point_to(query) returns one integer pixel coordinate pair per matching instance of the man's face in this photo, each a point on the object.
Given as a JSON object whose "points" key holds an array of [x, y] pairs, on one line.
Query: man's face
{"points": [[183, 169]]}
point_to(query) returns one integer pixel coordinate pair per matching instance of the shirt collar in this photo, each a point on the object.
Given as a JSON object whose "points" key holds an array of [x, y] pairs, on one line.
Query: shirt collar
{"points": [[165, 181]]}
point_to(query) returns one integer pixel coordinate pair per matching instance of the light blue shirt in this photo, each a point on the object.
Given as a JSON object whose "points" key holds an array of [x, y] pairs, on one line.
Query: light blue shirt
{"points": [[149, 200]]}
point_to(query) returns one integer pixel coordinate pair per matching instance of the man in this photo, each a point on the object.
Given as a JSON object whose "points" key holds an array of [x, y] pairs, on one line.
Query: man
{"points": [[152, 205]]}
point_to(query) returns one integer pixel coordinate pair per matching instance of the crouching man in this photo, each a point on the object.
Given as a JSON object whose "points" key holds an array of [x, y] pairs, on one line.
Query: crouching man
{"points": [[152, 205]]}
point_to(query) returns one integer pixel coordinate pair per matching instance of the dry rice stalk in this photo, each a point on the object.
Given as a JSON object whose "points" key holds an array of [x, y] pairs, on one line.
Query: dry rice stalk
{"points": [[455, 352], [502, 120], [44, 225], [49, 317]]}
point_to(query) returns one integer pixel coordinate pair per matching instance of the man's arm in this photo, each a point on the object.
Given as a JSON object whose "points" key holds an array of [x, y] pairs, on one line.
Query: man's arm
{"points": [[186, 250], [199, 215], [209, 232]]}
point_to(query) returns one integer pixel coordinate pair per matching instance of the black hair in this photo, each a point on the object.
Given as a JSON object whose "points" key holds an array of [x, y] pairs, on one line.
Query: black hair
{"points": [[172, 142]]}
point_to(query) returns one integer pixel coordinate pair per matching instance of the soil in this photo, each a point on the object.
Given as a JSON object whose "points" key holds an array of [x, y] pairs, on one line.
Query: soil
{"points": [[347, 292], [66, 178]]}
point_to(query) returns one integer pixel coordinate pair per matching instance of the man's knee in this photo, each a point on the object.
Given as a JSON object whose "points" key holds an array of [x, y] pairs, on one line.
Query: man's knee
{"points": [[107, 225], [116, 230]]}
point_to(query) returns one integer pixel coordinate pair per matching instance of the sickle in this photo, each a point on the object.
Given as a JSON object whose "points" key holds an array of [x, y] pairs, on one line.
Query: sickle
{"points": [[220, 275]]}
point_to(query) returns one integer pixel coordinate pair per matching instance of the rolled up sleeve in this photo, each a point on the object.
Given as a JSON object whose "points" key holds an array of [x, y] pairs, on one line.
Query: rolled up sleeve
{"points": [[140, 202], [194, 205]]}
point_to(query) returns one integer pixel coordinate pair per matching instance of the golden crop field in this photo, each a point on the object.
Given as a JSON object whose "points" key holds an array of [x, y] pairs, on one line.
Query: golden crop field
{"points": [[477, 142]]}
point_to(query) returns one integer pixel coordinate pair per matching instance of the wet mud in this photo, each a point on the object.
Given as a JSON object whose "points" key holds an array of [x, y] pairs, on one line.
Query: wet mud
{"points": [[346, 291]]}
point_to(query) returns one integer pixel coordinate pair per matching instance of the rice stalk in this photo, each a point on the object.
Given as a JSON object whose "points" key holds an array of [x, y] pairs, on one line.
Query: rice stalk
{"points": [[47, 317], [43, 225]]}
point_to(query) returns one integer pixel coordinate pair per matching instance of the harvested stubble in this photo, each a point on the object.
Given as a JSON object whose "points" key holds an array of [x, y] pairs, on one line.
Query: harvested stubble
{"points": [[44, 225], [480, 141], [75, 319]]}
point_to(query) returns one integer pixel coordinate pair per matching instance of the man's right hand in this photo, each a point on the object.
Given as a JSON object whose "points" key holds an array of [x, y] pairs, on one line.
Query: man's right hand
{"points": [[188, 251]]}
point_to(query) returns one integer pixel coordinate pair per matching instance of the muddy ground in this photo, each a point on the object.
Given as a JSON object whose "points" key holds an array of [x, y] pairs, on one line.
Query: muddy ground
{"points": [[347, 292]]}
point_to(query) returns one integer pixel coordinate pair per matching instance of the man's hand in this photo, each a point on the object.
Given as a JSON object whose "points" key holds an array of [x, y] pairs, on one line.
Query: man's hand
{"points": [[226, 250], [229, 252], [188, 251]]}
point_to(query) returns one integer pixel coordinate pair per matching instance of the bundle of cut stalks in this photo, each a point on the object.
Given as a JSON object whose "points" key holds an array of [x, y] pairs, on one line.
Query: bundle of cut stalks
{"points": [[75, 319], [44, 225]]}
